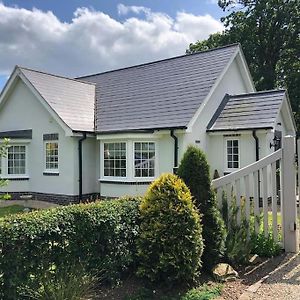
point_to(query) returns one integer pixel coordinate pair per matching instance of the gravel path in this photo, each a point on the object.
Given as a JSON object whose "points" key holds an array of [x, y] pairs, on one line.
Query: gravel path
{"points": [[283, 283]]}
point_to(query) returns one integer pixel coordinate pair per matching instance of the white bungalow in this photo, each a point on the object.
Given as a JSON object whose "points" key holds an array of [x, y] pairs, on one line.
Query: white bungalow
{"points": [[112, 133]]}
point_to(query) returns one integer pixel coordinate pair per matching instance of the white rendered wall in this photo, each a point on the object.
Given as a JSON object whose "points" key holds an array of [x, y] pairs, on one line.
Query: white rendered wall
{"points": [[23, 110]]}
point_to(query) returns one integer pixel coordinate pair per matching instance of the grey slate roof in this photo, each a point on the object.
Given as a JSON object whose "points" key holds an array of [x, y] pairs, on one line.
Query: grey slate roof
{"points": [[162, 94], [72, 100], [247, 111]]}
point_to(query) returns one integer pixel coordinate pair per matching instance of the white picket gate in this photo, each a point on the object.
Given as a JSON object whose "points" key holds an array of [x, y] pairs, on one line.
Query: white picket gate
{"points": [[261, 193]]}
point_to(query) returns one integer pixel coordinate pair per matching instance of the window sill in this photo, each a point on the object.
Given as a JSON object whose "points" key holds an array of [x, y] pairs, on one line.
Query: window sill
{"points": [[124, 182], [45, 173]]}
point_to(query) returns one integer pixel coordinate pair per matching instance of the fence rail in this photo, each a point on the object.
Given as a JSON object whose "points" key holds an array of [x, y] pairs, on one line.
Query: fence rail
{"points": [[256, 189]]}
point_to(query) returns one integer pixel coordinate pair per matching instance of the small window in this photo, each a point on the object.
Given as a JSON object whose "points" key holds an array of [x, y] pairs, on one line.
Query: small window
{"points": [[144, 159], [51, 156], [232, 154], [115, 159], [16, 160]]}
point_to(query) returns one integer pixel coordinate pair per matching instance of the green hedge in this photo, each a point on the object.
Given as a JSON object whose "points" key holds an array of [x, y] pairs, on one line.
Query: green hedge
{"points": [[101, 235]]}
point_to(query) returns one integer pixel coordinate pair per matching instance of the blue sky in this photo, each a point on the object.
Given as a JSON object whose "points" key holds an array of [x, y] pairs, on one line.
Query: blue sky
{"points": [[77, 37]]}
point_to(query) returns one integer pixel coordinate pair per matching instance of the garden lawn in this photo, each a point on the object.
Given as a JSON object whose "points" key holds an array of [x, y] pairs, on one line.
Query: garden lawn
{"points": [[10, 210]]}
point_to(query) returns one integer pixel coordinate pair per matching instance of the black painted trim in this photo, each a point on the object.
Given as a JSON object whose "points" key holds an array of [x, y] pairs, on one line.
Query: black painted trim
{"points": [[17, 134], [50, 137], [16, 178], [50, 174], [239, 129], [142, 130], [218, 111], [126, 182]]}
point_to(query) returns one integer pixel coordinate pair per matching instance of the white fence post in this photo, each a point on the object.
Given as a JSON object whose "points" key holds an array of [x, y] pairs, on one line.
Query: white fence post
{"points": [[289, 206]]}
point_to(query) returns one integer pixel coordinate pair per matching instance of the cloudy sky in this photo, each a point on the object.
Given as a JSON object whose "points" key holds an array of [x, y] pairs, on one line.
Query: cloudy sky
{"points": [[79, 37]]}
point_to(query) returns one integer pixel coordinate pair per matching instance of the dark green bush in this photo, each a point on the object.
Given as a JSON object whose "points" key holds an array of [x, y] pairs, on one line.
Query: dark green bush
{"points": [[194, 170], [170, 242], [99, 235]]}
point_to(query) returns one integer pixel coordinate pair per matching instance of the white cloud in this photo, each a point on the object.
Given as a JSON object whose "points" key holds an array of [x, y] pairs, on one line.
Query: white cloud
{"points": [[125, 9], [93, 41]]}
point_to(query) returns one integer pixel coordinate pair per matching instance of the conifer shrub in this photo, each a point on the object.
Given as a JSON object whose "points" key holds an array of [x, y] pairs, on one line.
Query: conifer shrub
{"points": [[194, 170], [170, 241]]}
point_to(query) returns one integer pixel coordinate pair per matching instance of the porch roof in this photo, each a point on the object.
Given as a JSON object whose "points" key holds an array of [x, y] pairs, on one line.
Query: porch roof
{"points": [[247, 111]]}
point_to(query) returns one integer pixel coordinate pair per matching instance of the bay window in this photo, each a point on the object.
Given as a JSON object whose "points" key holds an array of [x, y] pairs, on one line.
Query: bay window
{"points": [[128, 161]]}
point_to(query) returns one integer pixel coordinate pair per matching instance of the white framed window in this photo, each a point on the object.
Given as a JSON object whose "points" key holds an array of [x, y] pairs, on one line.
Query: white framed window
{"points": [[115, 159], [51, 154], [144, 159], [232, 154], [16, 160]]}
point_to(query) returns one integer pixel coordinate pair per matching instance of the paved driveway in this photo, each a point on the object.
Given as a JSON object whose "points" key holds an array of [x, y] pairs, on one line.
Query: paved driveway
{"points": [[283, 283]]}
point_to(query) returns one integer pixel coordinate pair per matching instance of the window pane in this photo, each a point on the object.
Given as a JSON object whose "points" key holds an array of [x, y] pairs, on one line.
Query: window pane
{"points": [[233, 154], [151, 172], [16, 160], [51, 156], [115, 159], [144, 159]]}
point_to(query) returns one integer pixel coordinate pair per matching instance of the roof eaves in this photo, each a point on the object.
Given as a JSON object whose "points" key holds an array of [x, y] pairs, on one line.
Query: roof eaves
{"points": [[239, 129], [142, 130], [258, 93]]}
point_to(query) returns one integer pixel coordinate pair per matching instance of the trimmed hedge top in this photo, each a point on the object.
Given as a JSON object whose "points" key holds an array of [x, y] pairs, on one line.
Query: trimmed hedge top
{"points": [[101, 235]]}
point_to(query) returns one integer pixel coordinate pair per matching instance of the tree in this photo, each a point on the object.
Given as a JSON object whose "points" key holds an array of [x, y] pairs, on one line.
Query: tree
{"points": [[269, 32], [194, 170]]}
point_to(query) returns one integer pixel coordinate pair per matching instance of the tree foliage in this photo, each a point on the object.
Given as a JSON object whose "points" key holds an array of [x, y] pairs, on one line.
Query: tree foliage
{"points": [[269, 32], [194, 170]]}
